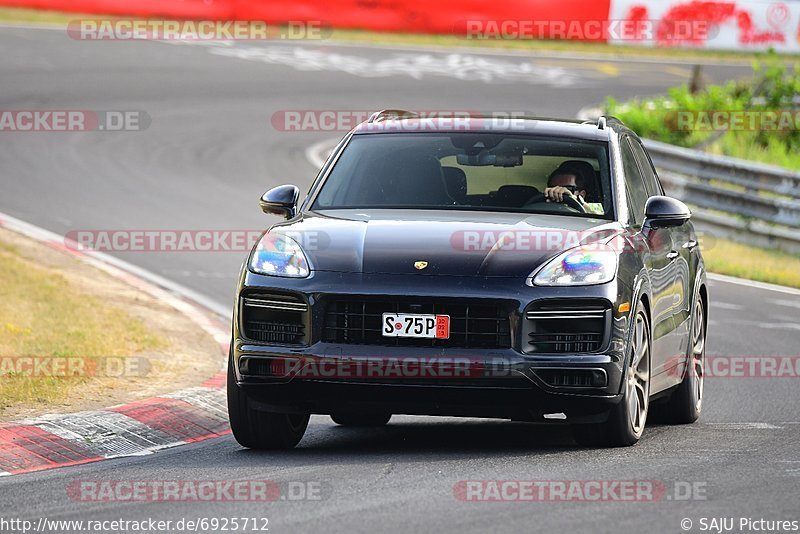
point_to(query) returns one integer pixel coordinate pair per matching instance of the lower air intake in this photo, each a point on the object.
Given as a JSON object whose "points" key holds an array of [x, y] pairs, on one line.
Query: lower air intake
{"points": [[277, 319]]}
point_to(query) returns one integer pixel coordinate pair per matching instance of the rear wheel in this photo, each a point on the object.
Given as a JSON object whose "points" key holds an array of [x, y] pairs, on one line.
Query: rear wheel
{"points": [[369, 419], [686, 402], [261, 430], [627, 419]]}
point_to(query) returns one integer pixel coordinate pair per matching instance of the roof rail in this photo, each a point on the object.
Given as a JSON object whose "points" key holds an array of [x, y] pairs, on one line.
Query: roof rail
{"points": [[601, 122], [386, 114]]}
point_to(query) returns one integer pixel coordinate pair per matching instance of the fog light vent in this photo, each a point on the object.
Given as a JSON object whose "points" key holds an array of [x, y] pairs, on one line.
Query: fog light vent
{"points": [[573, 378]]}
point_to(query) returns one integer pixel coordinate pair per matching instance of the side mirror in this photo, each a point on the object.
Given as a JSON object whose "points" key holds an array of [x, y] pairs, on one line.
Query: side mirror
{"points": [[661, 212], [281, 200]]}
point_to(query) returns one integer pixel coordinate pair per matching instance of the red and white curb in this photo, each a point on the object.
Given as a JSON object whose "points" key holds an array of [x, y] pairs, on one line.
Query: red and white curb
{"points": [[141, 427]]}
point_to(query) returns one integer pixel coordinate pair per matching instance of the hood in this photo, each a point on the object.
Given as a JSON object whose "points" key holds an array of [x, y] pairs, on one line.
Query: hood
{"points": [[453, 243]]}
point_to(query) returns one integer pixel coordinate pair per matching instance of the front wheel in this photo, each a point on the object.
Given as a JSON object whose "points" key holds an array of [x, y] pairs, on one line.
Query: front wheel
{"points": [[261, 430], [627, 419], [686, 402]]}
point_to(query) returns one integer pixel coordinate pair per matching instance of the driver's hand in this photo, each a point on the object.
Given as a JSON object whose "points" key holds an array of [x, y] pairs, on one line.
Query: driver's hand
{"points": [[556, 194]]}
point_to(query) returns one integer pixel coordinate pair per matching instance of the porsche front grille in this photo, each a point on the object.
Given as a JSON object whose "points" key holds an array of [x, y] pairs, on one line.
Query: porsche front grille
{"points": [[472, 324]]}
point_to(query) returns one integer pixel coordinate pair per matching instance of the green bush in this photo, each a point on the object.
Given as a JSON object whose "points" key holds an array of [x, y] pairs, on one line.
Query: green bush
{"points": [[775, 87]]}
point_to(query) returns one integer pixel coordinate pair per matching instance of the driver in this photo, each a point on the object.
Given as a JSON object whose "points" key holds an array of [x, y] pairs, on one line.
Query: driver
{"points": [[573, 178]]}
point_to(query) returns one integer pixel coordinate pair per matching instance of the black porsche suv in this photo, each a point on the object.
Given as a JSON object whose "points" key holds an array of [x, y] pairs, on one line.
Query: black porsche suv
{"points": [[527, 269]]}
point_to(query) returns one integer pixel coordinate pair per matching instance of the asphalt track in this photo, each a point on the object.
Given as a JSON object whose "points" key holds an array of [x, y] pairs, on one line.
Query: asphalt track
{"points": [[209, 153]]}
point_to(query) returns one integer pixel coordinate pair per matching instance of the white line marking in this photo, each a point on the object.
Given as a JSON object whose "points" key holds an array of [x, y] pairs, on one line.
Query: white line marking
{"points": [[211, 400], [106, 434], [317, 153], [751, 283], [746, 426], [775, 326], [417, 65], [31, 26], [726, 305], [546, 54], [788, 303]]}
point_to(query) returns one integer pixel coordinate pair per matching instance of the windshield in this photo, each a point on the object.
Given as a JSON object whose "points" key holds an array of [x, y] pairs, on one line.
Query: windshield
{"points": [[469, 171]]}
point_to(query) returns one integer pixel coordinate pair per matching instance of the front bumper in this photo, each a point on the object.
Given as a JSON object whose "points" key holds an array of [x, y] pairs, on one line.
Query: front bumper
{"points": [[493, 382]]}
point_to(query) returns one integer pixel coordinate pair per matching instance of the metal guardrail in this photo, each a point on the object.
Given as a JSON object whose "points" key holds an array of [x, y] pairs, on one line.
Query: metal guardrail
{"points": [[707, 167], [744, 203], [753, 202]]}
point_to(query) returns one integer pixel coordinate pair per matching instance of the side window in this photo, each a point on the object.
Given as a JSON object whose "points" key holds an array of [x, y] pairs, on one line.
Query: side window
{"points": [[637, 193], [648, 173]]}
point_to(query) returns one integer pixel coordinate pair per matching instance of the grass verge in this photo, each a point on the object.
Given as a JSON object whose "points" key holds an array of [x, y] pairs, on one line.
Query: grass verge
{"points": [[43, 316], [743, 261], [16, 15]]}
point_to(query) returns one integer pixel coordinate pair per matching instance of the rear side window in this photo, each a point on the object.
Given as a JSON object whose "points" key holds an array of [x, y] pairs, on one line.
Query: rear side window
{"points": [[636, 190], [648, 173]]}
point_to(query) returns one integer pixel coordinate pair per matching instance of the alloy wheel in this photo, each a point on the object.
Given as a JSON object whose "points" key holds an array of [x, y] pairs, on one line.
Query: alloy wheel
{"points": [[638, 376]]}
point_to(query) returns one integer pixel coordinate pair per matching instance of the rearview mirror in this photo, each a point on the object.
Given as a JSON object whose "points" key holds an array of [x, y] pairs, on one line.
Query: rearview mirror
{"points": [[485, 159], [661, 211], [476, 160], [281, 200]]}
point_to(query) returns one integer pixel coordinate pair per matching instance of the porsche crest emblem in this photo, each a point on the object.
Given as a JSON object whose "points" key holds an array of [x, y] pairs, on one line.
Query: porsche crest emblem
{"points": [[419, 265]]}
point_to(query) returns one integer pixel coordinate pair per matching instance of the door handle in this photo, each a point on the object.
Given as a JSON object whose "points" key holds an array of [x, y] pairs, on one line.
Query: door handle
{"points": [[672, 255], [690, 244]]}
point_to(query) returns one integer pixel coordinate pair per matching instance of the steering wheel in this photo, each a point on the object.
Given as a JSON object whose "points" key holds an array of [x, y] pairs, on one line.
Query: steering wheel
{"points": [[572, 202], [568, 200]]}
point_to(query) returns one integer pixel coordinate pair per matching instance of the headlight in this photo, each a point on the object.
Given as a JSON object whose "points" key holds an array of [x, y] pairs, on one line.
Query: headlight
{"points": [[279, 255], [581, 266]]}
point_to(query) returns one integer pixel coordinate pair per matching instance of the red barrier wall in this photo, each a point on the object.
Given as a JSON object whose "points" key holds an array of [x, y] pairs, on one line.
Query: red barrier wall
{"points": [[431, 16], [426, 16], [187, 9]]}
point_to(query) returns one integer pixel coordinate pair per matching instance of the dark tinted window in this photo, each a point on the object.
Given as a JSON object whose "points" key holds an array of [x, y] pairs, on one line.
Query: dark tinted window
{"points": [[637, 193], [649, 175], [463, 171]]}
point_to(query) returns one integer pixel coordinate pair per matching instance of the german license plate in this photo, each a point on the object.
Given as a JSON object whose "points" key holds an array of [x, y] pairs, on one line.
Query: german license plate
{"points": [[416, 325]]}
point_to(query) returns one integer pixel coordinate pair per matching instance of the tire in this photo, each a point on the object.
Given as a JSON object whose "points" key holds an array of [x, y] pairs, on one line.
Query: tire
{"points": [[686, 402], [627, 419], [367, 419], [261, 430]]}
